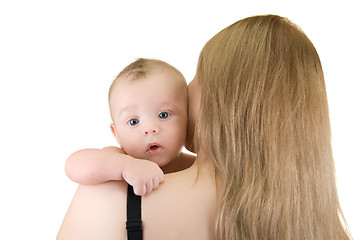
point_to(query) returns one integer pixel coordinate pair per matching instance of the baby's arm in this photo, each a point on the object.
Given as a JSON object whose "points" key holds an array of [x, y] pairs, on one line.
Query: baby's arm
{"points": [[94, 166]]}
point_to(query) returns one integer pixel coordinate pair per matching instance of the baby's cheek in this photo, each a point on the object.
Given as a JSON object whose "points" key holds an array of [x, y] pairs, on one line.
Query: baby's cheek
{"points": [[179, 137], [134, 152], [131, 146]]}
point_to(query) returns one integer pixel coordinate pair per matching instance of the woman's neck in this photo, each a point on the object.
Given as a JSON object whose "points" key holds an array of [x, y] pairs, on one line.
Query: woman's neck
{"points": [[203, 163]]}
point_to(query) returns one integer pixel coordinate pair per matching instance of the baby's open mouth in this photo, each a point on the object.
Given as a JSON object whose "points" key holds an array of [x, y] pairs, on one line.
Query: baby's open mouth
{"points": [[154, 148]]}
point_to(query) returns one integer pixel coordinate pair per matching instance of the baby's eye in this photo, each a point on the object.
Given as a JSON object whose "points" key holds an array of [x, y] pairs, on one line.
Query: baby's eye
{"points": [[164, 115], [133, 122]]}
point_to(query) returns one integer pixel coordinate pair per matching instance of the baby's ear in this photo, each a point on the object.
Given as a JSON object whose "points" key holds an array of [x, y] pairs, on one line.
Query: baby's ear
{"points": [[113, 130]]}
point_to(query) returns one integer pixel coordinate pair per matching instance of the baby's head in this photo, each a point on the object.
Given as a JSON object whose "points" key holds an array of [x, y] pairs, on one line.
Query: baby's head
{"points": [[148, 105]]}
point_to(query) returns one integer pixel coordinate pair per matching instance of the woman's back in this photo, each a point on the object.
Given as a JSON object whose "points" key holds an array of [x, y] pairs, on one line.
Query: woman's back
{"points": [[99, 212]]}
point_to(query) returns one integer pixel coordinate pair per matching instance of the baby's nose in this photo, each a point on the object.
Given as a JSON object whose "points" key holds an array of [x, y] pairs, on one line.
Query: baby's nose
{"points": [[152, 130]]}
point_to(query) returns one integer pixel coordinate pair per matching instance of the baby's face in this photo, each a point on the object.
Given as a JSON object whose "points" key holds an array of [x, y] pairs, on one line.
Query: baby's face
{"points": [[150, 116]]}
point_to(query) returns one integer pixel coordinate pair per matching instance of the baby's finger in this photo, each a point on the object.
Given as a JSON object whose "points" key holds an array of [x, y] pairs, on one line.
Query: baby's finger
{"points": [[156, 182], [149, 187], [161, 175], [139, 190]]}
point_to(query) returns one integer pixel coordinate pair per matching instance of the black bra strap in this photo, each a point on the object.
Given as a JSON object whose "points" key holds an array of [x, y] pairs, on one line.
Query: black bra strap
{"points": [[134, 222]]}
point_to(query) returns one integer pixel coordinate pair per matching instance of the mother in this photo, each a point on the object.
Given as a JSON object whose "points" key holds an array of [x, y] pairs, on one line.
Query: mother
{"points": [[259, 119]]}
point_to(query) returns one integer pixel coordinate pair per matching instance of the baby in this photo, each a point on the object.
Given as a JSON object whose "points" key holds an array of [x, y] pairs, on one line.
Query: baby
{"points": [[148, 105]]}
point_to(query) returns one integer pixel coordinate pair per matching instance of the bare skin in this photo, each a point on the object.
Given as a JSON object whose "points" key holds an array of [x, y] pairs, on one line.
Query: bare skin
{"points": [[182, 208], [95, 166]]}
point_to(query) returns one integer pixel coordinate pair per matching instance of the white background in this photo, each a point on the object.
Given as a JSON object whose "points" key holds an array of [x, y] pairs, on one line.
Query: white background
{"points": [[58, 59]]}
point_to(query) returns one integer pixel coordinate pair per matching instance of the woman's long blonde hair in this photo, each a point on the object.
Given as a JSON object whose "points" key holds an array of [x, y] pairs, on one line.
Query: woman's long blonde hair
{"points": [[264, 125]]}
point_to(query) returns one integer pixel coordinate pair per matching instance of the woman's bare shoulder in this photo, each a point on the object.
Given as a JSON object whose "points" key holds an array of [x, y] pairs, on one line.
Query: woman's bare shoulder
{"points": [[183, 207], [96, 212], [183, 201]]}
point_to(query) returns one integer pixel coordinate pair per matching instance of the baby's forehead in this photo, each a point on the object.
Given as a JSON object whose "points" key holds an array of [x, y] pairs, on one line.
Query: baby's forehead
{"points": [[158, 89]]}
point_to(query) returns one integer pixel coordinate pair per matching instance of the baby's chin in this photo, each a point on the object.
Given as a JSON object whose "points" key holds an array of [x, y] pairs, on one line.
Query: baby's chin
{"points": [[160, 161]]}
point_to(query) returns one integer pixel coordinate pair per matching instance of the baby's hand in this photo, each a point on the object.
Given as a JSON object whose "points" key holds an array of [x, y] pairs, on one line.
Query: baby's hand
{"points": [[143, 175]]}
